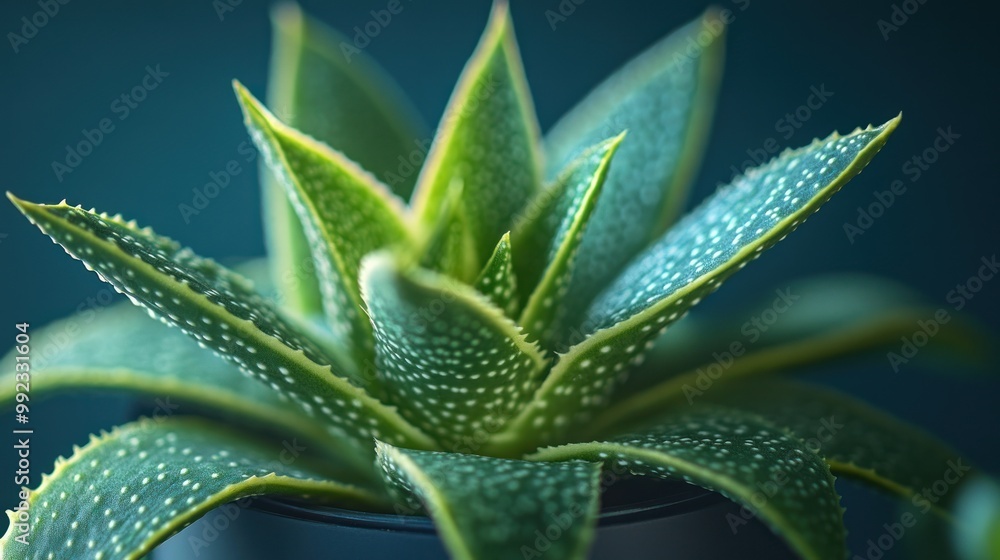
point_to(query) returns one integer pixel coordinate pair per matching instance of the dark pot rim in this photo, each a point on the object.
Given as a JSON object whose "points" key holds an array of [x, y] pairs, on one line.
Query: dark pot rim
{"points": [[669, 498]]}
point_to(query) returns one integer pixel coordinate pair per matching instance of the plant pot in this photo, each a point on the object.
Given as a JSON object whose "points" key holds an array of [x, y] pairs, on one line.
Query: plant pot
{"points": [[641, 519]]}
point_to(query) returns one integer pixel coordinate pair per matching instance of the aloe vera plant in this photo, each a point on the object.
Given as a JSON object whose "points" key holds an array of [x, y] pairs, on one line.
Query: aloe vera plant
{"points": [[466, 354]]}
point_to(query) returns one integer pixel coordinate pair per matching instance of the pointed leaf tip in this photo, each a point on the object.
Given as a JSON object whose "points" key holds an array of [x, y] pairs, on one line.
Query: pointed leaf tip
{"points": [[730, 229], [548, 236], [425, 327], [665, 97], [231, 467], [239, 324], [346, 214], [287, 15], [489, 136]]}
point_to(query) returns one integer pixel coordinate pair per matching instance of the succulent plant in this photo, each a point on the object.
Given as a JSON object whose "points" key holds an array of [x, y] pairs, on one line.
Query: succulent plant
{"points": [[478, 354]]}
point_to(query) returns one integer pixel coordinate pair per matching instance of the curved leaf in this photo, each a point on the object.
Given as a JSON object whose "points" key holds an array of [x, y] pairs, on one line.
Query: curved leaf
{"points": [[549, 237], [809, 320], [220, 310], [346, 213], [665, 99], [821, 320], [638, 404], [725, 233], [346, 101], [489, 138], [450, 361], [120, 349], [735, 224], [128, 491], [486, 508], [857, 440], [772, 474]]}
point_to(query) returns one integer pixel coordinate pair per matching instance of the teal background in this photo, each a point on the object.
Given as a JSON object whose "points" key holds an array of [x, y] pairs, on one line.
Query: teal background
{"points": [[938, 68]]}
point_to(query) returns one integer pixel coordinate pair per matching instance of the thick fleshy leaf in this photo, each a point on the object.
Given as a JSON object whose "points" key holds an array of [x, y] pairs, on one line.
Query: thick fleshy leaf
{"points": [[488, 138], [725, 233], [734, 225], [345, 211], [810, 321], [774, 475], [497, 280], [486, 508], [644, 401], [342, 98], [450, 360], [549, 236], [447, 248], [857, 440], [664, 98], [221, 311], [128, 491], [120, 349]]}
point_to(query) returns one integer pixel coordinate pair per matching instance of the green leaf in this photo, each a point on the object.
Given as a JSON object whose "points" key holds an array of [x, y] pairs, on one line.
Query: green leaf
{"points": [[346, 101], [549, 234], [721, 236], [128, 491], [220, 310], [800, 310], [451, 361], [346, 213], [120, 349], [639, 403], [497, 280], [857, 440], [734, 225], [447, 248], [821, 320], [488, 138], [665, 99], [487, 508], [773, 475]]}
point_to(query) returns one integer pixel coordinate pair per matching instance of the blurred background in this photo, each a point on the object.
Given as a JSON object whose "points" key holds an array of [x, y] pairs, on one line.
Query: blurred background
{"points": [[929, 58]]}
